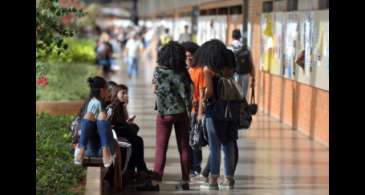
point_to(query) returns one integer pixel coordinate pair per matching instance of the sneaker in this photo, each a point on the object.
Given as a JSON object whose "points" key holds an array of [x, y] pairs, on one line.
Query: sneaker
{"points": [[207, 186], [76, 154], [148, 187], [194, 174], [227, 184], [182, 186]]}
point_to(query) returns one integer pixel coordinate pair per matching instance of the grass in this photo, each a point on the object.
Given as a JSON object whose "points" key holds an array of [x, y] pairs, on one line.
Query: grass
{"points": [[67, 82]]}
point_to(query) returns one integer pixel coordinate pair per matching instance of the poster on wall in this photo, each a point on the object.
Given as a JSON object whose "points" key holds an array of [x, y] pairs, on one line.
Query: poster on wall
{"points": [[308, 28], [277, 57], [326, 47], [267, 41], [283, 38], [321, 50], [291, 34]]}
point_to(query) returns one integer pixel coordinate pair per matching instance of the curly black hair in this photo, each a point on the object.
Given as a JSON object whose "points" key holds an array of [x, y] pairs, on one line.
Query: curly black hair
{"points": [[172, 56], [190, 46], [211, 54], [230, 58]]}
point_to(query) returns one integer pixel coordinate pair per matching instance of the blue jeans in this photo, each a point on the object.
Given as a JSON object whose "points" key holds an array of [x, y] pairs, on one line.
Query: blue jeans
{"points": [[215, 152], [132, 66], [243, 81], [96, 135]]}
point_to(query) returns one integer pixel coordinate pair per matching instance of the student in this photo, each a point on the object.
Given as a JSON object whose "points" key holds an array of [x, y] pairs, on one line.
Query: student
{"points": [[231, 62], [126, 128], [133, 48], [96, 132], [185, 36], [212, 55], [173, 89], [165, 38], [197, 77], [245, 67]]}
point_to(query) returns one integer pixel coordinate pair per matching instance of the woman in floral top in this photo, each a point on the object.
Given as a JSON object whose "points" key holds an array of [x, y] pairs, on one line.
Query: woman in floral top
{"points": [[173, 88]]}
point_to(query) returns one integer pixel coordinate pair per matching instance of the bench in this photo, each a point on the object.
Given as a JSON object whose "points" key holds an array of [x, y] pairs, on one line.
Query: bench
{"points": [[94, 175]]}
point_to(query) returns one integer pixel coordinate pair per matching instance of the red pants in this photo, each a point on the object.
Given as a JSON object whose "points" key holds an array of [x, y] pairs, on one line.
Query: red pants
{"points": [[163, 131]]}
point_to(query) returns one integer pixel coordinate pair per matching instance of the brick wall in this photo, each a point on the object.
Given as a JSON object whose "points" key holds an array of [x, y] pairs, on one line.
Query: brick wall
{"points": [[299, 105]]}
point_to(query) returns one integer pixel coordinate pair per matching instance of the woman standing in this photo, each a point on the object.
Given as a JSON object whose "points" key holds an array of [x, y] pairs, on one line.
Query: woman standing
{"points": [[173, 89], [212, 55]]}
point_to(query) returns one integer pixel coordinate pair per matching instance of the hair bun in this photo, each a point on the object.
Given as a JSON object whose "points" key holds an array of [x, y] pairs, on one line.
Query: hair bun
{"points": [[90, 80]]}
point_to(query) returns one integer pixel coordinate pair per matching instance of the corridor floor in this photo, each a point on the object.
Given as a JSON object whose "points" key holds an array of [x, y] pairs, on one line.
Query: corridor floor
{"points": [[273, 158]]}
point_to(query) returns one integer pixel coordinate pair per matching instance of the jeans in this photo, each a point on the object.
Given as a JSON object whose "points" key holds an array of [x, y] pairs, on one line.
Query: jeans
{"points": [[243, 81], [215, 152], [163, 131], [206, 170], [132, 66], [95, 136]]}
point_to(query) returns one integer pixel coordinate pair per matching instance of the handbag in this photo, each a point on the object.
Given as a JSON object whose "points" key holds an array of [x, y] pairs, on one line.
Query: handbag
{"points": [[245, 115], [252, 107], [196, 136]]}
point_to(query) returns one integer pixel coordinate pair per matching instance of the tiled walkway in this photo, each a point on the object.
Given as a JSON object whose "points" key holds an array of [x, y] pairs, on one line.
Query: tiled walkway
{"points": [[273, 159]]}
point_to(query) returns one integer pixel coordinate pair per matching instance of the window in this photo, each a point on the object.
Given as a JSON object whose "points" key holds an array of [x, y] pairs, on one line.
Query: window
{"points": [[324, 4], [267, 6], [203, 12], [223, 11], [235, 9], [292, 5], [212, 12], [280, 5]]}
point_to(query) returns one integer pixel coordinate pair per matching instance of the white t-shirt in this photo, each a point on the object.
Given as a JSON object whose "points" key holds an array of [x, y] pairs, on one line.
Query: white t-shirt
{"points": [[133, 47], [235, 45]]}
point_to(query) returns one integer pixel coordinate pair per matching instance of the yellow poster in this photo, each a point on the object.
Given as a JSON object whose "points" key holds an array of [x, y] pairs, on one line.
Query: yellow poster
{"points": [[270, 57]]}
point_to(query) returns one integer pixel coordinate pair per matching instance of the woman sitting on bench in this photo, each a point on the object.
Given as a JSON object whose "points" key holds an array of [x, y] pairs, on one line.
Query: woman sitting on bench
{"points": [[96, 134], [126, 128]]}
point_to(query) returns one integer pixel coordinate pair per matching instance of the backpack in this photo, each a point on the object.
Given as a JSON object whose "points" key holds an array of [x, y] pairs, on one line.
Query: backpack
{"points": [[243, 60], [226, 105], [76, 130]]}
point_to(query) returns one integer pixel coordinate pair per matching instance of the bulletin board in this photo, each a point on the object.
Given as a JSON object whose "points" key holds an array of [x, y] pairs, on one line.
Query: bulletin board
{"points": [[272, 29], [285, 34], [320, 76], [304, 42]]}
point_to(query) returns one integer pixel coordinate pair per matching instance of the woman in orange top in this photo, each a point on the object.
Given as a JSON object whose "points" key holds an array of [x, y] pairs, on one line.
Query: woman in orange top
{"points": [[197, 76]]}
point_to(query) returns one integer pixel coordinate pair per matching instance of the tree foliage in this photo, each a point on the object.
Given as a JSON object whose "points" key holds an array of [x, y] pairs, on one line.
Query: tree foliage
{"points": [[53, 24]]}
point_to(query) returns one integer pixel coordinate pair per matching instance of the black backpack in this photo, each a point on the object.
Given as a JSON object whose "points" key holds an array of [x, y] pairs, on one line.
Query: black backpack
{"points": [[243, 60], [226, 117]]}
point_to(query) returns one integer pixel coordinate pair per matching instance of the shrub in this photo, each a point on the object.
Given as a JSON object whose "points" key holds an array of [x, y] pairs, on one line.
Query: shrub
{"points": [[80, 50], [55, 171], [67, 82]]}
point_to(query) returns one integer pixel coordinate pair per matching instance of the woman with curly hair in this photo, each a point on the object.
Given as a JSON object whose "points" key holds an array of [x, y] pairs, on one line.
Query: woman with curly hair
{"points": [[213, 55], [173, 89]]}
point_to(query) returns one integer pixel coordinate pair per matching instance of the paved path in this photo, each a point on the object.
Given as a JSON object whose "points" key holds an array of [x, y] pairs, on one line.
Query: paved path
{"points": [[274, 159]]}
